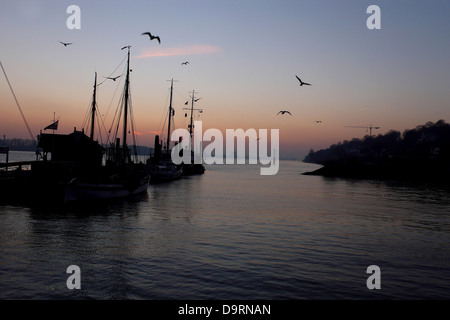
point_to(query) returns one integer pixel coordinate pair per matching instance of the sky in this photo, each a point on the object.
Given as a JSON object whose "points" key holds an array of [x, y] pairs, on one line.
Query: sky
{"points": [[243, 58]]}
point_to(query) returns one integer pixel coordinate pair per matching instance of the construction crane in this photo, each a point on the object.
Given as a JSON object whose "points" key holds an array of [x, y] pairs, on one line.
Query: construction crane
{"points": [[369, 128]]}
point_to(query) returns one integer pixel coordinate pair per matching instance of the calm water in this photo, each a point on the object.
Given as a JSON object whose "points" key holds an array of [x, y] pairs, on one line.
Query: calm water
{"points": [[233, 234]]}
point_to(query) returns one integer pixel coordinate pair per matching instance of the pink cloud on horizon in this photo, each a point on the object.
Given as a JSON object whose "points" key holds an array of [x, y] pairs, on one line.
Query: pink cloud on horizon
{"points": [[180, 51]]}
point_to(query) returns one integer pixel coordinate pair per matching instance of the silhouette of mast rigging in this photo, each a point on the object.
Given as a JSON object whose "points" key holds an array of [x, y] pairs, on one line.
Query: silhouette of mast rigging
{"points": [[171, 114]]}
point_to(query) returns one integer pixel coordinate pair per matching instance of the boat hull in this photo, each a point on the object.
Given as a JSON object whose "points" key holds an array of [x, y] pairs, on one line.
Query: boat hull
{"points": [[83, 191]]}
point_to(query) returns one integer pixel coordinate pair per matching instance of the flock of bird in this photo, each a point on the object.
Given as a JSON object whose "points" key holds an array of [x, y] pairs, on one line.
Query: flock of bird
{"points": [[301, 84], [154, 37]]}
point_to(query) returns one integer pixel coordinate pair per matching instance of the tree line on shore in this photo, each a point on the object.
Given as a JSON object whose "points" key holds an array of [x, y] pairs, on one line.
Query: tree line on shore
{"points": [[428, 141]]}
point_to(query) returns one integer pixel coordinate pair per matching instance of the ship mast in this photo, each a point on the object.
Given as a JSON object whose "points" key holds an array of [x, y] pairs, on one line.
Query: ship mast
{"points": [[125, 112], [192, 111], [191, 125], [170, 116], [93, 108]]}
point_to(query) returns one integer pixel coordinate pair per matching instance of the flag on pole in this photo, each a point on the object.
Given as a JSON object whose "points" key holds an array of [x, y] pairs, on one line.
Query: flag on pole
{"points": [[53, 126]]}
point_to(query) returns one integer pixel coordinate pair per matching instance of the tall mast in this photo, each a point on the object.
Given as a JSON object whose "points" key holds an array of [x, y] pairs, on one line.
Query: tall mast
{"points": [[93, 108], [125, 111], [191, 125], [192, 111], [170, 116]]}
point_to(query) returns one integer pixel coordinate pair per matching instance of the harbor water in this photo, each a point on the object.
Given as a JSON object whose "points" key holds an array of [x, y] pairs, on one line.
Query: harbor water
{"points": [[232, 233]]}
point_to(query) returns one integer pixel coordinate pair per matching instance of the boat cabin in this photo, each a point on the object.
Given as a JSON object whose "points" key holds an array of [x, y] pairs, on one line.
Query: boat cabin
{"points": [[74, 147]]}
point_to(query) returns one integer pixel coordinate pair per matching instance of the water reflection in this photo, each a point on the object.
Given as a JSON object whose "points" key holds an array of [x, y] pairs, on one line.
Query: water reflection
{"points": [[233, 234]]}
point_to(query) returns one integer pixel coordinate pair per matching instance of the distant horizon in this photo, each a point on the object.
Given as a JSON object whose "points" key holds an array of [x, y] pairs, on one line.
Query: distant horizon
{"points": [[29, 142]]}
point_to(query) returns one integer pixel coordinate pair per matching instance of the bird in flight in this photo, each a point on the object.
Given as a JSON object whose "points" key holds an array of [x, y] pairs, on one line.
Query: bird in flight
{"points": [[65, 43], [151, 36], [283, 112], [185, 63], [301, 82], [318, 121], [113, 78]]}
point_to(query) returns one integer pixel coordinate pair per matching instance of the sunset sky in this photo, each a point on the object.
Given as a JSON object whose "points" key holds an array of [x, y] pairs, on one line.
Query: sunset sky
{"points": [[243, 57]]}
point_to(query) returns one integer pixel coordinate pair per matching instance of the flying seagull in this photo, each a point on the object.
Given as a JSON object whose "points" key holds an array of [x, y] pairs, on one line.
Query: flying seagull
{"points": [[151, 36], [113, 79], [301, 82], [283, 112], [185, 63], [65, 43]]}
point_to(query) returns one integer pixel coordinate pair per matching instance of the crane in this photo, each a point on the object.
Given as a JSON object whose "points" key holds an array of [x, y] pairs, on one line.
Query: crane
{"points": [[365, 127]]}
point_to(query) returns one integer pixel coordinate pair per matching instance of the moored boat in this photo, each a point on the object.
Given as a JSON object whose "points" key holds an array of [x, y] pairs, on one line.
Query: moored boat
{"points": [[160, 166], [72, 167], [120, 176]]}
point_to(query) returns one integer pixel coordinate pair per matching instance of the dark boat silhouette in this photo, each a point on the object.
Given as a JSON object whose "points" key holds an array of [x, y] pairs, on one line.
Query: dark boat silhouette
{"points": [[192, 168], [120, 176], [160, 166], [74, 167]]}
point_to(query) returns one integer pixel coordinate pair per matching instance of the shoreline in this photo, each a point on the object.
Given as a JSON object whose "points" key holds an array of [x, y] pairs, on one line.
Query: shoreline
{"points": [[413, 172]]}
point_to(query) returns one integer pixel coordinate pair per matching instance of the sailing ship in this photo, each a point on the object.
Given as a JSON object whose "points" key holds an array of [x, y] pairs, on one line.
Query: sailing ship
{"points": [[120, 176], [72, 167], [160, 166], [192, 168]]}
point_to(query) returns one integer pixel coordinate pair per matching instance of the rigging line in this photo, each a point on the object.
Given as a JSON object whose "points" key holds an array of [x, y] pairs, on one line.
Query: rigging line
{"points": [[110, 131], [99, 134], [162, 133], [118, 110], [112, 99], [102, 124], [181, 94], [87, 116], [162, 122], [116, 132], [119, 105], [133, 128], [119, 83], [18, 105], [113, 71]]}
